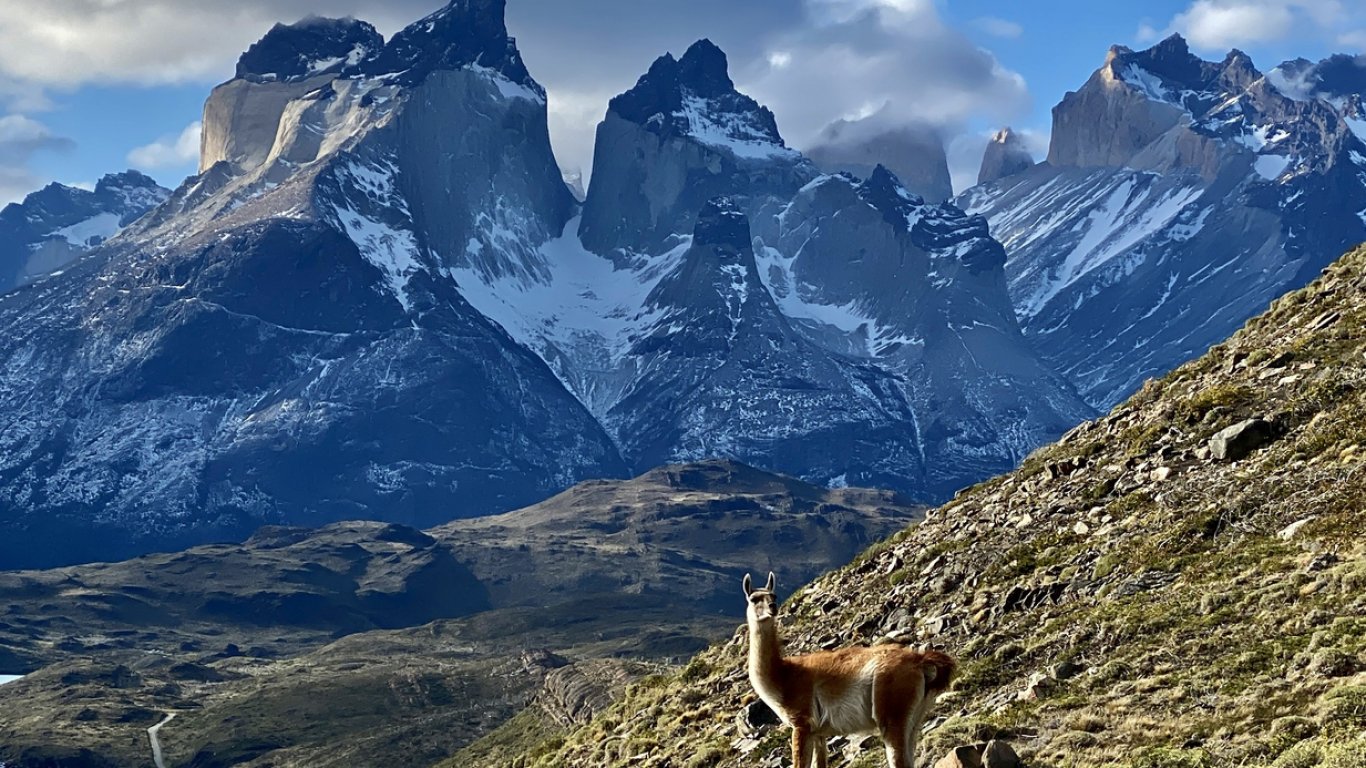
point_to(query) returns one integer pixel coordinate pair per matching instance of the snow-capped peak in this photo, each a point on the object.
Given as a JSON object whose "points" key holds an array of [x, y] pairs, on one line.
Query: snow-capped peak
{"points": [[695, 97]]}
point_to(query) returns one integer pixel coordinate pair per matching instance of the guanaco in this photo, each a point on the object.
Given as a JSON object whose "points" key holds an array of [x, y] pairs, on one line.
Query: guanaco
{"points": [[884, 689]]}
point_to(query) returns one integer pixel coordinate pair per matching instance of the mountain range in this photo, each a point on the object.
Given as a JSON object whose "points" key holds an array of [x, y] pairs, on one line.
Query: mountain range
{"points": [[354, 312], [1178, 199]]}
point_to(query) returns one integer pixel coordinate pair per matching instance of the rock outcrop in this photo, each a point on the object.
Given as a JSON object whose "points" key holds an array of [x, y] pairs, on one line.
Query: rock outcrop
{"points": [[1006, 155]]}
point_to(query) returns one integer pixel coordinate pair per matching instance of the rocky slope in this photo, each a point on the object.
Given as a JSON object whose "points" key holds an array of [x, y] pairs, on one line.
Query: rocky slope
{"points": [[1179, 582], [444, 634], [57, 224], [1179, 197]]}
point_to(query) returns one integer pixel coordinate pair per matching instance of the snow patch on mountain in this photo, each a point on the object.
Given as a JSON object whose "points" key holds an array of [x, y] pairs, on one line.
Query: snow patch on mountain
{"points": [[1115, 224], [505, 86], [370, 192], [581, 309], [800, 302], [736, 132], [1271, 167], [1146, 82], [91, 231]]}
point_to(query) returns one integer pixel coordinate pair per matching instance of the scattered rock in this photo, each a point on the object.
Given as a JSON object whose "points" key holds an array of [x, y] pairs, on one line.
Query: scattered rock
{"points": [[965, 756], [1064, 669], [754, 717], [1040, 683], [999, 754], [1241, 439], [1287, 533]]}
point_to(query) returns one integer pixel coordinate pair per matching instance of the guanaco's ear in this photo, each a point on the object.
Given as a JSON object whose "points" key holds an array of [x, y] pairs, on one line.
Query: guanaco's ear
{"points": [[749, 586], [772, 582]]}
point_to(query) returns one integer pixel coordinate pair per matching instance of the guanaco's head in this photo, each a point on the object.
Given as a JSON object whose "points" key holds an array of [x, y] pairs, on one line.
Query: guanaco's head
{"points": [[762, 603]]}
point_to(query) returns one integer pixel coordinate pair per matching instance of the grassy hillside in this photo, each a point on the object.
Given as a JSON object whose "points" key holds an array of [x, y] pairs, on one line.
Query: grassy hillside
{"points": [[1126, 598]]}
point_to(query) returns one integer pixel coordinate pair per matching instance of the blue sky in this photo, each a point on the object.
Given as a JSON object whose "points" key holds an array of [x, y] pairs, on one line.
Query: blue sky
{"points": [[89, 87]]}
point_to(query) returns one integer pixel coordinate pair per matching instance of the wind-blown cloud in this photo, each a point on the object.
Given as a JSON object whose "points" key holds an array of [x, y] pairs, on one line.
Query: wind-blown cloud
{"points": [[74, 42], [1216, 25], [889, 62], [169, 151], [998, 27], [20, 139]]}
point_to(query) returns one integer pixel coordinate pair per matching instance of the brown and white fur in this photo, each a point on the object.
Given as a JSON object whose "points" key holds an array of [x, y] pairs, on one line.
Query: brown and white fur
{"points": [[886, 689]]}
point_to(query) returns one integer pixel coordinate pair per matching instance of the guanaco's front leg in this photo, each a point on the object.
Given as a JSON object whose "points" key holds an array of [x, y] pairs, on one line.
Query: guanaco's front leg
{"points": [[822, 753]]}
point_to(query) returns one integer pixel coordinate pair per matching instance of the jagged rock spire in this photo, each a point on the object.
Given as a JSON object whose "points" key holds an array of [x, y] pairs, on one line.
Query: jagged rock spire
{"points": [[1006, 155]]}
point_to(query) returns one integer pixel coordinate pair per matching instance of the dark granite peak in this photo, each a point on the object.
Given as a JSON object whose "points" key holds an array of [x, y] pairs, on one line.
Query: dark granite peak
{"points": [[704, 69], [312, 46], [1173, 61], [125, 180], [463, 33], [884, 191], [662, 97]]}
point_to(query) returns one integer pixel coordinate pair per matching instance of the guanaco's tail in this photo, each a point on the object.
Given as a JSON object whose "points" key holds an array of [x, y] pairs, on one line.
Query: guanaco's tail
{"points": [[940, 669]]}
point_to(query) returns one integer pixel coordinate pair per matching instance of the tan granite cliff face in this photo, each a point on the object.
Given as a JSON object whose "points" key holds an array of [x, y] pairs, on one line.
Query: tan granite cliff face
{"points": [[1107, 122], [242, 118]]}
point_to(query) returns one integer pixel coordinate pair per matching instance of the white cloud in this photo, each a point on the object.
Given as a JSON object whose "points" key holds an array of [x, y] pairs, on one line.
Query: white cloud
{"points": [[573, 117], [72, 42], [20, 139], [1353, 39], [998, 27], [895, 59], [169, 151], [1217, 25]]}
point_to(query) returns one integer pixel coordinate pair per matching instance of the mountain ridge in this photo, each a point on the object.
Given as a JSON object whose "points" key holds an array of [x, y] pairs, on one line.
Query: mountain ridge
{"points": [[1179, 197]]}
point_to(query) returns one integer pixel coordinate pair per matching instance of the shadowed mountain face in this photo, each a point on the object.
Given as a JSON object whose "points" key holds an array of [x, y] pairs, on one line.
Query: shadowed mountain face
{"points": [[356, 312], [360, 641], [1179, 198]]}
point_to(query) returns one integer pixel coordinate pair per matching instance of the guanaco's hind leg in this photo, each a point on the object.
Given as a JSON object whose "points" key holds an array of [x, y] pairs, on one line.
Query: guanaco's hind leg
{"points": [[822, 752], [900, 693], [803, 746]]}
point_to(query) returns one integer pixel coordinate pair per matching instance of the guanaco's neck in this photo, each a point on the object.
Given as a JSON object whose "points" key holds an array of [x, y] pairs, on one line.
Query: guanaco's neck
{"points": [[765, 654]]}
